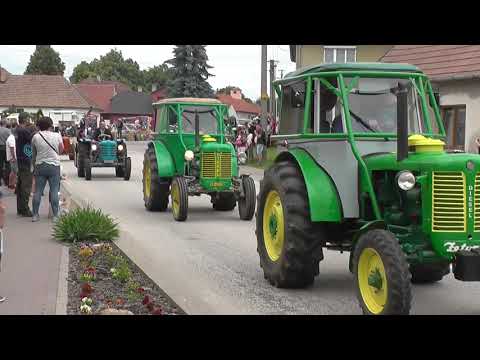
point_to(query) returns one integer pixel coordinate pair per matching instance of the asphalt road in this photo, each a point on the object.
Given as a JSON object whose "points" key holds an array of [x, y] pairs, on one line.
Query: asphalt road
{"points": [[209, 264]]}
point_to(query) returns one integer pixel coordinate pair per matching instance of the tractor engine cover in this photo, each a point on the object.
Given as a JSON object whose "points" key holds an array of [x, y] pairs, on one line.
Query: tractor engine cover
{"points": [[467, 266]]}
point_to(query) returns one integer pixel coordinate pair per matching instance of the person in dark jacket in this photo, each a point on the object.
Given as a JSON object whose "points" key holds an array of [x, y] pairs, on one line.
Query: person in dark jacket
{"points": [[102, 130], [24, 156]]}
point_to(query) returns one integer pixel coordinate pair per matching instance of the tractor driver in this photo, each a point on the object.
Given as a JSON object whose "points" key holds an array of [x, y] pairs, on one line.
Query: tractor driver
{"points": [[102, 130]]}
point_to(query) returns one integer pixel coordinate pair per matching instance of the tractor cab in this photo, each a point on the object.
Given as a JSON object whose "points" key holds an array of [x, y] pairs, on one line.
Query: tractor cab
{"points": [[363, 158]]}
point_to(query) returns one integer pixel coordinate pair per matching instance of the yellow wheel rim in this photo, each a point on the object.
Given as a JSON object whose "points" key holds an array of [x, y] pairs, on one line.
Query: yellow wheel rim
{"points": [[372, 280], [147, 179], [273, 226], [175, 193]]}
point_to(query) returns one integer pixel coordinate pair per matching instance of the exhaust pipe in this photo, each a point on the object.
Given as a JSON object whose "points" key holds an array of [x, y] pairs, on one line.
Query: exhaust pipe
{"points": [[402, 123], [197, 130]]}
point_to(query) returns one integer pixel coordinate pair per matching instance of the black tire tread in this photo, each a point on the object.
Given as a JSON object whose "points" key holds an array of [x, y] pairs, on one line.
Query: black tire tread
{"points": [[183, 188], [299, 263], [159, 192], [246, 205], [399, 295]]}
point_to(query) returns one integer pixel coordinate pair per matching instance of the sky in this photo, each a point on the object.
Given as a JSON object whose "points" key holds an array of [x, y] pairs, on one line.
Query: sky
{"points": [[235, 65]]}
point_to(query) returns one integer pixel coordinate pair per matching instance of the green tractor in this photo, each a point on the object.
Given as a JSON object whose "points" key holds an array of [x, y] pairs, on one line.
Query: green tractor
{"points": [[190, 156], [362, 168]]}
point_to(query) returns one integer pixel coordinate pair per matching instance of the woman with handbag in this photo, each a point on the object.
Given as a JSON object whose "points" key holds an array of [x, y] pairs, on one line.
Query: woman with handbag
{"points": [[46, 146]]}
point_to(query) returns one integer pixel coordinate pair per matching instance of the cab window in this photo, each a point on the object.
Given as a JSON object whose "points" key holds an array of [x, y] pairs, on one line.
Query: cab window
{"points": [[293, 108]]}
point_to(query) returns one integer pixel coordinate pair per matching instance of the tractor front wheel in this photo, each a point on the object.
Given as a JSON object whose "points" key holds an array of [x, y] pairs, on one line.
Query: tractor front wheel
{"points": [[246, 205], [119, 171], [155, 194], [224, 201], [179, 195], [382, 275], [428, 273], [288, 243]]}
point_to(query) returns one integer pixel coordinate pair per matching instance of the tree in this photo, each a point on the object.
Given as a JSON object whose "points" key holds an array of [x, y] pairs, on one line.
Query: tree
{"points": [[45, 61], [190, 72], [158, 75], [82, 71]]}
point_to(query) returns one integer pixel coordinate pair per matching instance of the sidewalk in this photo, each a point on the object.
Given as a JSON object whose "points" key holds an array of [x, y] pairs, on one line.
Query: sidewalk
{"points": [[30, 269]]}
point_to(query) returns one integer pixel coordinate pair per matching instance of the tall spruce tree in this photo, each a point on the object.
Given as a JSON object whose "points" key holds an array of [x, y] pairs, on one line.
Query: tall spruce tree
{"points": [[190, 72], [45, 61]]}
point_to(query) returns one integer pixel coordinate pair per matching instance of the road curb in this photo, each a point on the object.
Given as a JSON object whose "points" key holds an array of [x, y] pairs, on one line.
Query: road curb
{"points": [[62, 289]]}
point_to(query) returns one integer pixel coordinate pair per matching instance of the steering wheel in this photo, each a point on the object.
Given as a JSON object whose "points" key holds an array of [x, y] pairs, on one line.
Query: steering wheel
{"points": [[103, 136]]}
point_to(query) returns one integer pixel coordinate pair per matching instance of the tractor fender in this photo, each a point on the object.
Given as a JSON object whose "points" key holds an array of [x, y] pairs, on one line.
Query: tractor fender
{"points": [[325, 204], [165, 164]]}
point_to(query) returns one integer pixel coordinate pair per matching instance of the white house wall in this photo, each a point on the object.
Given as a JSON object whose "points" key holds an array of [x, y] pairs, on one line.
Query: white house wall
{"points": [[465, 92], [58, 114]]}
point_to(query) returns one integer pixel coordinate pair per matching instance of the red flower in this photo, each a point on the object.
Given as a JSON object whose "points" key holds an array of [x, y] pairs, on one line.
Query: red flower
{"points": [[141, 290], [87, 288], [157, 311], [146, 300], [150, 306]]}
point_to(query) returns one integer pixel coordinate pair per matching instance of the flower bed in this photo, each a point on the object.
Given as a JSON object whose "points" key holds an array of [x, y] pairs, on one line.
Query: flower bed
{"points": [[102, 279]]}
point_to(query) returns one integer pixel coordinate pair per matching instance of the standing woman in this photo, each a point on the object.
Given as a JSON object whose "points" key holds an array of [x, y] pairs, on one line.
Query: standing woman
{"points": [[46, 146]]}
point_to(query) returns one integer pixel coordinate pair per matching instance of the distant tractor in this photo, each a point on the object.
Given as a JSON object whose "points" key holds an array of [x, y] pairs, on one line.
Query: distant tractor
{"points": [[190, 156], [364, 170], [105, 152]]}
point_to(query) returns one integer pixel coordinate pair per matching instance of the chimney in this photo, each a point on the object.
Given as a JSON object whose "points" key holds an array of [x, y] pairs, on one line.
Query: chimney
{"points": [[236, 94], [3, 75], [99, 79], [154, 87], [139, 89]]}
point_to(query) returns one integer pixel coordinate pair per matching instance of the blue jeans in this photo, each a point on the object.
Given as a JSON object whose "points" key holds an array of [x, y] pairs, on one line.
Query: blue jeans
{"points": [[43, 173]]}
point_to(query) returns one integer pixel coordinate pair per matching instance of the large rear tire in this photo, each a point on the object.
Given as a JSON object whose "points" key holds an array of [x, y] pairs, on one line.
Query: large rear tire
{"points": [[288, 243], [428, 273], [127, 171], [179, 195], [382, 276], [155, 193], [246, 205], [224, 201]]}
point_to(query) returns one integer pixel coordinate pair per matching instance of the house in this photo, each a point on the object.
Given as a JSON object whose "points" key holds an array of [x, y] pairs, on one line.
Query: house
{"points": [[128, 104], [307, 55], [454, 71], [158, 94], [51, 94], [240, 108]]}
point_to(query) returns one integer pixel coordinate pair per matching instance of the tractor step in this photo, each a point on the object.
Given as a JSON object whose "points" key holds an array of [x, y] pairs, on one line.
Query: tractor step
{"points": [[467, 265]]}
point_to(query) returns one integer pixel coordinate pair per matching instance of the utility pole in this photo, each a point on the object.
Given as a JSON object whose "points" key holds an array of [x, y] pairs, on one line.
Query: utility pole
{"points": [[263, 91], [273, 110], [281, 73]]}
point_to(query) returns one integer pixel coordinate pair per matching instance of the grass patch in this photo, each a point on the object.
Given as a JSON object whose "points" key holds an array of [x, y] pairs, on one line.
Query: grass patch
{"points": [[85, 225], [271, 155]]}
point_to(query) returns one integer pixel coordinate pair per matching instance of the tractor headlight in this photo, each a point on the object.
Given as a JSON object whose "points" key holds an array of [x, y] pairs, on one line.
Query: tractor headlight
{"points": [[189, 155], [242, 157], [120, 147], [94, 147], [405, 180]]}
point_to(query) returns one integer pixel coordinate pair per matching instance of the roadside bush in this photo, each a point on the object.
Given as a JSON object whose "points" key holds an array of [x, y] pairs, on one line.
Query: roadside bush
{"points": [[85, 225]]}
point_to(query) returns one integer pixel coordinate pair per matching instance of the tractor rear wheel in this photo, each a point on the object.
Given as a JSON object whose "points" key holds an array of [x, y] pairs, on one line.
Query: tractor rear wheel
{"points": [[428, 273], [179, 195], [246, 205], [381, 273], [224, 201], [119, 171], [288, 243], [127, 171], [155, 194]]}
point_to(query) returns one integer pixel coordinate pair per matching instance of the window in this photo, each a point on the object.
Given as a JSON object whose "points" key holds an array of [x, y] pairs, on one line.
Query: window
{"points": [[166, 120], [327, 110], [340, 54], [293, 108], [454, 122], [207, 120]]}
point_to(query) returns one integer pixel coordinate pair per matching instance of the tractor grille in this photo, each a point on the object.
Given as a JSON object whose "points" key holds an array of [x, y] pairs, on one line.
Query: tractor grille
{"points": [[448, 200], [108, 150], [477, 203], [216, 165]]}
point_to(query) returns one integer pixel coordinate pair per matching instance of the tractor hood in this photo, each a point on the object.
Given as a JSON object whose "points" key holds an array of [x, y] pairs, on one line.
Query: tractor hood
{"points": [[210, 144]]}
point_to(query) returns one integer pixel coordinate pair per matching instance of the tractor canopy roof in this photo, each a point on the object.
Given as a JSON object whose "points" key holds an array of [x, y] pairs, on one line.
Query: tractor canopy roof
{"points": [[202, 101], [356, 66]]}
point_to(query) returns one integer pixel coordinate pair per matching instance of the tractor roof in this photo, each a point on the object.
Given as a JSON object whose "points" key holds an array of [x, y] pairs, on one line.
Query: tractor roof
{"points": [[356, 66], [189, 101]]}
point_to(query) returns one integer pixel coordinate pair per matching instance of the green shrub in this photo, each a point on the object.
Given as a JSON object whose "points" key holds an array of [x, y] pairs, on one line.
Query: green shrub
{"points": [[85, 225]]}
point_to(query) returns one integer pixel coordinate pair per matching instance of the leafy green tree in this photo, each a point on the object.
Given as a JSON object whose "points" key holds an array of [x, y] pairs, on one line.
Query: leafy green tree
{"points": [[190, 72], [158, 75], [45, 61], [82, 71]]}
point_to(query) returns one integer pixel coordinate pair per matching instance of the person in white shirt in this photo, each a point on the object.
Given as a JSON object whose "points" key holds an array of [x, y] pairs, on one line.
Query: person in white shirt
{"points": [[46, 146], [11, 148]]}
